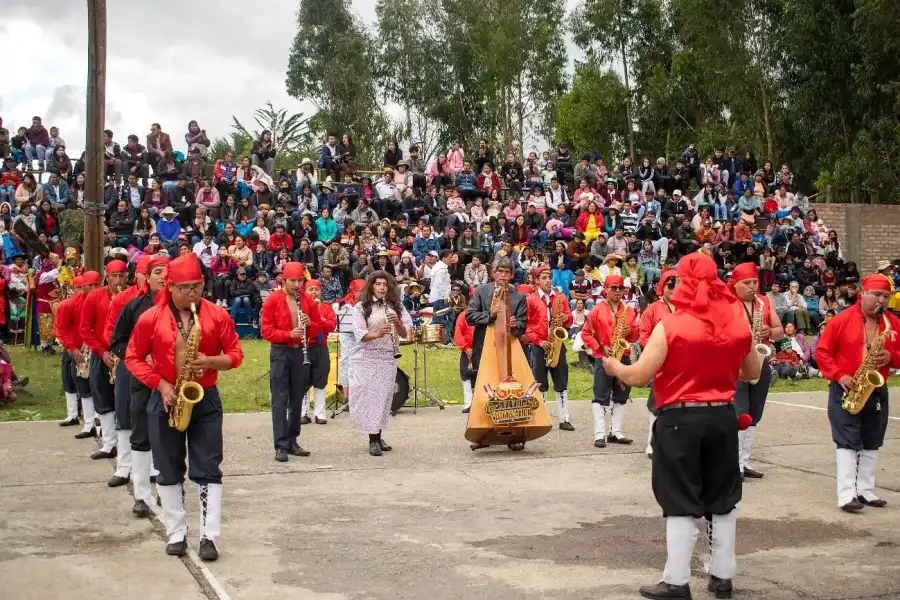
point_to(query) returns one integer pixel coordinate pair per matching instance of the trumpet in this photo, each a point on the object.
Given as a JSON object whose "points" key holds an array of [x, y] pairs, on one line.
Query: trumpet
{"points": [[300, 314]]}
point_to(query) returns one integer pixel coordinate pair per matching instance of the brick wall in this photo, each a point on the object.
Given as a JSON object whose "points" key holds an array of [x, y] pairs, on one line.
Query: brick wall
{"points": [[867, 232]]}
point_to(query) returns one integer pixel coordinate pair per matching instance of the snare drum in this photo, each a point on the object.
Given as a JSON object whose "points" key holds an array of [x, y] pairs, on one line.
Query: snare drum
{"points": [[431, 334]]}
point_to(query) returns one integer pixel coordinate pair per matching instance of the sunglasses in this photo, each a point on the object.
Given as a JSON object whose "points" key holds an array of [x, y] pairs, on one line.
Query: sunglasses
{"points": [[670, 283], [615, 288]]}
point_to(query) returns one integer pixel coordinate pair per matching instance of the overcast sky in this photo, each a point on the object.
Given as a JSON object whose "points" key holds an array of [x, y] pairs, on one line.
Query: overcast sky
{"points": [[167, 62]]}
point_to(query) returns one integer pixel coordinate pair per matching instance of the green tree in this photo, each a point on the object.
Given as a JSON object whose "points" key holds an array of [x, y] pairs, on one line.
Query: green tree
{"points": [[289, 132], [588, 117]]}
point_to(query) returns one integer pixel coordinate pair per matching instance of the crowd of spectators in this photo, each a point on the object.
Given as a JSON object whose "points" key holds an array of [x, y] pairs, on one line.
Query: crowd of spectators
{"points": [[440, 224]]}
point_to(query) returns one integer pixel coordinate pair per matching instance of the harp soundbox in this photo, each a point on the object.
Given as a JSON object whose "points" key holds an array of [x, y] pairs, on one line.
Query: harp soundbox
{"points": [[507, 406]]}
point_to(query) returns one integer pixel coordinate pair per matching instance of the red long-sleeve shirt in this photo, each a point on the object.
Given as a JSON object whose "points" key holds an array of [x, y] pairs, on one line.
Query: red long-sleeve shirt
{"points": [[92, 323], [155, 336], [538, 329], [841, 346], [275, 319], [464, 334], [277, 241], [653, 315], [327, 322], [598, 327], [65, 322], [115, 309]]}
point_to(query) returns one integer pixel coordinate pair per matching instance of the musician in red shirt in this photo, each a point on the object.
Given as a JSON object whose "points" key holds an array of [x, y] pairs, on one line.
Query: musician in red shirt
{"points": [[66, 331], [69, 334], [155, 356], [542, 305], [597, 335], [319, 358], [288, 320], [751, 396], [695, 356], [92, 326], [652, 315], [845, 341], [464, 338], [122, 391]]}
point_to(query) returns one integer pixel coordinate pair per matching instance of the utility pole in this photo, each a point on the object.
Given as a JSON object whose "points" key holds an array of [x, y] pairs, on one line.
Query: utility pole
{"points": [[95, 162]]}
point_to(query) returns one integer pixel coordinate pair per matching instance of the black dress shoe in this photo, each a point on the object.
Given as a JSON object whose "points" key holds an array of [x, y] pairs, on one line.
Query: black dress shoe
{"points": [[153, 479], [877, 502], [83, 435], [614, 439], [566, 426], [601, 443], [477, 446], [281, 455], [664, 591], [374, 449], [177, 548], [852, 506], [101, 454], [752, 473], [296, 450], [116, 481], [321, 421], [140, 509], [465, 411], [207, 550], [720, 587], [384, 447], [70, 422], [305, 420]]}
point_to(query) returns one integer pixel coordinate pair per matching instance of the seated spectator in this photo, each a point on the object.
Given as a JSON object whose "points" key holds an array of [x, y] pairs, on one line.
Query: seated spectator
{"points": [[58, 162], [168, 229], [37, 143], [196, 139], [112, 157], [56, 191], [244, 296], [121, 223]]}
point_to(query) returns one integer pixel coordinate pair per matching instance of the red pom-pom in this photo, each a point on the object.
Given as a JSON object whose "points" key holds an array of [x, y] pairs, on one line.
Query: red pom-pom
{"points": [[744, 421]]}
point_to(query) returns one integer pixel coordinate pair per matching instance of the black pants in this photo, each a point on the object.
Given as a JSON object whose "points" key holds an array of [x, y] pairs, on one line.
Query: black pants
{"points": [[695, 461], [289, 381], [651, 402], [68, 374], [123, 397], [140, 432], [101, 389], [863, 431], [464, 373], [320, 366], [608, 388], [560, 373], [203, 437], [750, 398]]}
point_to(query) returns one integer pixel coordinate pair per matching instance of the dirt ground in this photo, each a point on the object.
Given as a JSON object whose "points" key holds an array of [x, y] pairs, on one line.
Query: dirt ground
{"points": [[433, 520]]}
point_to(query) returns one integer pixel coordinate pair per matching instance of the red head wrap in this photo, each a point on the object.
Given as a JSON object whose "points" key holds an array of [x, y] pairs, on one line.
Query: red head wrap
{"points": [[701, 293], [614, 280], [542, 269], [294, 270], [876, 282], [743, 271], [79, 281], [356, 286], [116, 266], [152, 263], [142, 268], [181, 270], [90, 278], [666, 274], [312, 283]]}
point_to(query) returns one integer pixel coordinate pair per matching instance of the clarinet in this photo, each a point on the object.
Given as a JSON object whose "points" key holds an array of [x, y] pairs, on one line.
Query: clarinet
{"points": [[394, 340], [299, 314]]}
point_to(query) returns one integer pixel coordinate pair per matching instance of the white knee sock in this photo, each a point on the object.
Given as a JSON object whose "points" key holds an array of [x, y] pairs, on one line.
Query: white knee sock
{"points": [[304, 412], [722, 561], [108, 431], [651, 419], [172, 499], [599, 421], [123, 456], [87, 407], [562, 406], [467, 393], [681, 535], [320, 403], [847, 464], [211, 511], [71, 406], [746, 446], [140, 476], [618, 419], [865, 477]]}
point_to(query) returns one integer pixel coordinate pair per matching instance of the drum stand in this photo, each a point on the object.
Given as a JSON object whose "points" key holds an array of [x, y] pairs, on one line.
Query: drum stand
{"points": [[428, 398]]}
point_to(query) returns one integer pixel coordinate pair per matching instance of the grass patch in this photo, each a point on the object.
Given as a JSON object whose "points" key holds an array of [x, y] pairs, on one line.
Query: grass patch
{"points": [[247, 389]]}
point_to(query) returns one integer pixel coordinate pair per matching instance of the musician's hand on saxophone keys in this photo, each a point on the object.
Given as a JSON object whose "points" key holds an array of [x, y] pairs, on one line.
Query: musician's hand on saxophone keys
{"points": [[847, 382], [76, 355], [108, 359], [883, 359], [167, 392]]}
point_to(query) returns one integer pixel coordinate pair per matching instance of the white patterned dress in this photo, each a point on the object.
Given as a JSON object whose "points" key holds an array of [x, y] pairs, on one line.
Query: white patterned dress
{"points": [[373, 372]]}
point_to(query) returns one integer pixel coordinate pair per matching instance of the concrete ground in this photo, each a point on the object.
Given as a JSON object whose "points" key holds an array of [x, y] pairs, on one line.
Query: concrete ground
{"points": [[433, 520]]}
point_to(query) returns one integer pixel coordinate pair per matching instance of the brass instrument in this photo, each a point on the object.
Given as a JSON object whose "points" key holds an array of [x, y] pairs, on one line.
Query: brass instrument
{"points": [[112, 370], [867, 377], [189, 392], [558, 333], [83, 368], [300, 314], [394, 338], [759, 344], [619, 344]]}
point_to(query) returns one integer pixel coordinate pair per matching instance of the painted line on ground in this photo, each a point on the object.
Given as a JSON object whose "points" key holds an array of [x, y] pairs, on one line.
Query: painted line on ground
{"points": [[810, 407]]}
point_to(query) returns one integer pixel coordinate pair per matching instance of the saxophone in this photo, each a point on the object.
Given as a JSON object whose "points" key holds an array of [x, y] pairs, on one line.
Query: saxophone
{"points": [[189, 391], [619, 344], [867, 377], [83, 368], [558, 333], [758, 343]]}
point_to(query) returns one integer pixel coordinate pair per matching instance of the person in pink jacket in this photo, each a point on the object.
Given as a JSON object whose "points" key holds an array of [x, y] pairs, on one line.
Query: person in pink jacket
{"points": [[456, 157]]}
